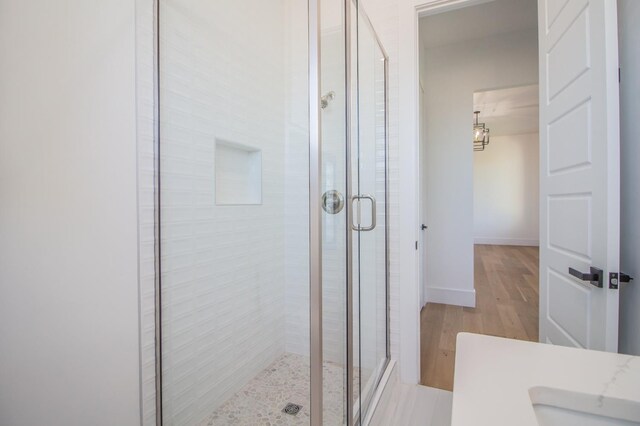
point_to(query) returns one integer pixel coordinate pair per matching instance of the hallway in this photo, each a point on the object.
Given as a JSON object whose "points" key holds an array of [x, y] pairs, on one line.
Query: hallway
{"points": [[506, 283]]}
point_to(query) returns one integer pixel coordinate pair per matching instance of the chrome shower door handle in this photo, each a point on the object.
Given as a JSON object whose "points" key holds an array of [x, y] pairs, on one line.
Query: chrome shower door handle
{"points": [[358, 214]]}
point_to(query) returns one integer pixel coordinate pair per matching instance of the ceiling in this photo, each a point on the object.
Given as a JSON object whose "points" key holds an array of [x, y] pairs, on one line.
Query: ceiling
{"points": [[483, 20], [508, 111]]}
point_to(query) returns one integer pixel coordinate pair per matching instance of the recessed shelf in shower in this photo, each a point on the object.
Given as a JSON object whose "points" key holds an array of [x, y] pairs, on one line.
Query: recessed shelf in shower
{"points": [[238, 174]]}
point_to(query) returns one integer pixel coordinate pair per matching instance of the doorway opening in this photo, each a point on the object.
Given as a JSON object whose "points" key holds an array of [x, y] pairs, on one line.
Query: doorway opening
{"points": [[506, 226], [478, 207]]}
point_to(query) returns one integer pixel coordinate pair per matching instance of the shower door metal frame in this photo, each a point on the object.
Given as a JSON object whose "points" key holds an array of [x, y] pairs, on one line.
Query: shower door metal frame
{"points": [[315, 225], [157, 214], [348, 34]]}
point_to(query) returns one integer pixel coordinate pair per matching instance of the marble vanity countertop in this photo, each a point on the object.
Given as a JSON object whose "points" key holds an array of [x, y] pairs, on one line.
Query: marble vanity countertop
{"points": [[493, 378]]}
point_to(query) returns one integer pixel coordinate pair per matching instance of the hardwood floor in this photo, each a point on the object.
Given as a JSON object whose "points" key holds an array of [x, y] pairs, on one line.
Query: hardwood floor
{"points": [[506, 283]]}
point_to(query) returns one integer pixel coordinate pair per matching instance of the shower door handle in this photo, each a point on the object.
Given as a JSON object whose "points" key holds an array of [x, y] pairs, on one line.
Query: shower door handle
{"points": [[358, 214]]}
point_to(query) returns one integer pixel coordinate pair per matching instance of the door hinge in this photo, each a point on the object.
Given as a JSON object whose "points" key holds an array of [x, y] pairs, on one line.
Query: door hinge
{"points": [[416, 245], [619, 75], [616, 278]]}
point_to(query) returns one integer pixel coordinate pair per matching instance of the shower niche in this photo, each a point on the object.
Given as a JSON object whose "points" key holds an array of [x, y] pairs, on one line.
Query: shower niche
{"points": [[238, 174]]}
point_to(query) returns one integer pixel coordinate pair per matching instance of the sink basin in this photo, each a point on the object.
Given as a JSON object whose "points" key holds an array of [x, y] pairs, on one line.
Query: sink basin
{"points": [[567, 408]]}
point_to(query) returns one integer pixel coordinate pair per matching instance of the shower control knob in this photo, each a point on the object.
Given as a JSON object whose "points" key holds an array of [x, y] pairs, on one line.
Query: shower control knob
{"points": [[332, 202]]}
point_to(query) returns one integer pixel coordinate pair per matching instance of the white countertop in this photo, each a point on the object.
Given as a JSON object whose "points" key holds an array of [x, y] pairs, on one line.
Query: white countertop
{"points": [[493, 377]]}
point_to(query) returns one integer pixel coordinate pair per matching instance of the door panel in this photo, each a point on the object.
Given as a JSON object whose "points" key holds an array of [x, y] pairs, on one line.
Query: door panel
{"points": [[570, 211], [568, 55], [370, 188], [334, 124], [569, 140], [579, 185], [574, 320]]}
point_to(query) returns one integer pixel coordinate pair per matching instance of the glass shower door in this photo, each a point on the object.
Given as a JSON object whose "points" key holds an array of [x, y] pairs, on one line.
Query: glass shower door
{"points": [[354, 229], [334, 100], [370, 213], [270, 307]]}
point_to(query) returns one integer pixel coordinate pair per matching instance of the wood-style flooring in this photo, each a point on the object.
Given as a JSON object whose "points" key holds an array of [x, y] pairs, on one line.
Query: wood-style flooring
{"points": [[506, 283]]}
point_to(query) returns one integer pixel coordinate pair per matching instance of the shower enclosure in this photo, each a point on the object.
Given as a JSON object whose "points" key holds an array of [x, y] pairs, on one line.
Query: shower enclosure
{"points": [[272, 290]]}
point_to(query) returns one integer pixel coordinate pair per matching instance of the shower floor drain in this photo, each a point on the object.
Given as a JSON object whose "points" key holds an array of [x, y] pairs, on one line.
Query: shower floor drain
{"points": [[292, 409]]}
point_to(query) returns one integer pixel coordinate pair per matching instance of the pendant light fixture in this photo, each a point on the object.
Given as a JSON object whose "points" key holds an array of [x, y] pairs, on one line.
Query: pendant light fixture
{"points": [[480, 134]]}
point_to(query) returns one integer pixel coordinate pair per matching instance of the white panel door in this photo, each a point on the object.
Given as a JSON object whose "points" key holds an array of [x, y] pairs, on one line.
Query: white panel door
{"points": [[580, 184]]}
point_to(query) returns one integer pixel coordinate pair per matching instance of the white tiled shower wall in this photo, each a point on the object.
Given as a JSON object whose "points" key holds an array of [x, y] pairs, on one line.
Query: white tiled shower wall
{"points": [[224, 75], [297, 203], [334, 250], [289, 168], [296, 163], [370, 255], [385, 19]]}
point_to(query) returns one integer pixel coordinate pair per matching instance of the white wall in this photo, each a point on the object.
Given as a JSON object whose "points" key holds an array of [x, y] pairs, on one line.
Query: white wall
{"points": [[629, 14], [506, 191], [296, 202], [68, 213], [453, 73], [422, 135], [423, 201]]}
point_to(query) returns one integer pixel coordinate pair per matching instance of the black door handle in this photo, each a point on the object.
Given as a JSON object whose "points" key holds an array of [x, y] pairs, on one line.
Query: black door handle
{"points": [[624, 278], [595, 277], [423, 227]]}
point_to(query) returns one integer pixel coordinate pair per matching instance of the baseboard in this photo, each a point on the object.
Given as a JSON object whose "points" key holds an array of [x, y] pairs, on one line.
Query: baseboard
{"points": [[507, 241], [449, 296]]}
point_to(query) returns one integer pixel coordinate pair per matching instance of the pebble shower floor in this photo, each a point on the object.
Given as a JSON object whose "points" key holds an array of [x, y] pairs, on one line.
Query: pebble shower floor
{"points": [[285, 381]]}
